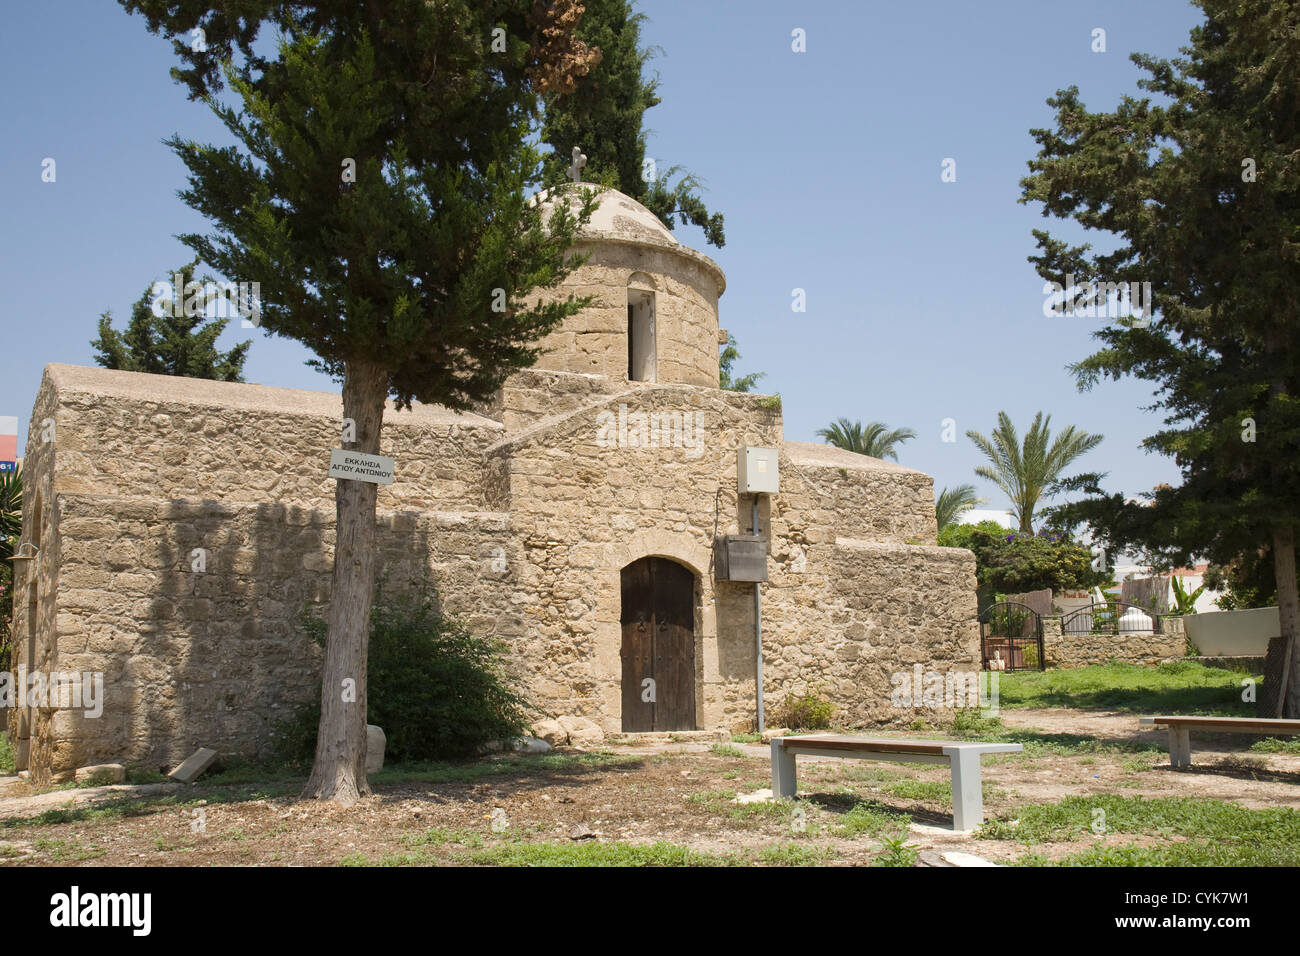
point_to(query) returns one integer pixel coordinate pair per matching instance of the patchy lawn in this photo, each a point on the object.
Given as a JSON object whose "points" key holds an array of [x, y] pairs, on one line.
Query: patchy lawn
{"points": [[675, 805], [1175, 687]]}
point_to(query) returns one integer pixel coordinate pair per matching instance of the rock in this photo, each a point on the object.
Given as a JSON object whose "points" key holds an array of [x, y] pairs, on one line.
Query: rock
{"points": [[957, 858], [530, 745], [197, 762], [103, 773], [580, 831], [375, 744], [552, 732], [758, 796], [582, 732]]}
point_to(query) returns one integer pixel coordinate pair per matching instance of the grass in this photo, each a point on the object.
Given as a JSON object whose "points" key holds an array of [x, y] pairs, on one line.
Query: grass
{"points": [[591, 853], [567, 854], [441, 836], [872, 819], [1179, 687], [970, 725], [125, 807], [794, 854], [7, 764], [754, 738], [65, 851], [937, 790], [726, 750], [898, 852], [1191, 831], [1272, 745]]}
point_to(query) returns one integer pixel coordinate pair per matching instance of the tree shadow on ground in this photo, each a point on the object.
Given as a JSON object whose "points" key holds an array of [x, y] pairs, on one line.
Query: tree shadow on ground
{"points": [[1081, 744], [1235, 769], [513, 774], [843, 803]]}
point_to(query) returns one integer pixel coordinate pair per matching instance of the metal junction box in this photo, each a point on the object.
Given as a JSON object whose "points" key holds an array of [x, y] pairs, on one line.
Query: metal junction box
{"points": [[756, 471], [740, 557]]}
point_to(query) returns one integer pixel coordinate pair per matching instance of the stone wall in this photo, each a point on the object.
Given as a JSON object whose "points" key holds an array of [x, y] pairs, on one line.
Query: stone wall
{"points": [[121, 433], [534, 395], [862, 612], [210, 651], [839, 612], [1080, 650], [856, 497], [686, 287], [36, 582], [584, 510], [545, 519]]}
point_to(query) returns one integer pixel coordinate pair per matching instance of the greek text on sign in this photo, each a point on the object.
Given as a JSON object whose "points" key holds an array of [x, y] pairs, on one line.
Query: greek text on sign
{"points": [[358, 466]]}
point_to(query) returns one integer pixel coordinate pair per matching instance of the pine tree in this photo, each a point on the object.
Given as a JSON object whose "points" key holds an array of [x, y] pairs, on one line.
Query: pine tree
{"points": [[377, 194], [1200, 190], [172, 343], [604, 115], [727, 377]]}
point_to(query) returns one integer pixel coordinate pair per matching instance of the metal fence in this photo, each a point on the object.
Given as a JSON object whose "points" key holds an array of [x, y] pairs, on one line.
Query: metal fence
{"points": [[1110, 617]]}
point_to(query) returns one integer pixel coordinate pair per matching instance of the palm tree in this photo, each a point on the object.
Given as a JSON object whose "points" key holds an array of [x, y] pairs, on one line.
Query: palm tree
{"points": [[11, 511], [1030, 471], [955, 502], [877, 440]]}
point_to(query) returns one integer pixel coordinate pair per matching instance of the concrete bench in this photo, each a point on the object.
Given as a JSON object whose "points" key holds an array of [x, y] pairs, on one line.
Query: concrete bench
{"points": [[1180, 728], [962, 758]]}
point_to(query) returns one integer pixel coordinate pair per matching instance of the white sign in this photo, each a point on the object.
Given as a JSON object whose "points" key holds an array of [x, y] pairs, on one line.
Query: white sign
{"points": [[358, 466]]}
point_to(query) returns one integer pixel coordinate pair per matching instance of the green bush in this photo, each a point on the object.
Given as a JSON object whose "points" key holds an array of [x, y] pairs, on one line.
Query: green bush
{"points": [[808, 711], [1015, 563], [963, 535], [438, 691]]}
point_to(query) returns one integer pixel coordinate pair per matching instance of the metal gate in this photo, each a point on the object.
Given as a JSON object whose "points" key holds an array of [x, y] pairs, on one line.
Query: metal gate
{"points": [[1012, 633]]}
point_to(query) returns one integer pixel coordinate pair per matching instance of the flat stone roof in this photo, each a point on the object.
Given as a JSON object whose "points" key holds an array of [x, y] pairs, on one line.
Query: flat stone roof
{"points": [[829, 456], [200, 392]]}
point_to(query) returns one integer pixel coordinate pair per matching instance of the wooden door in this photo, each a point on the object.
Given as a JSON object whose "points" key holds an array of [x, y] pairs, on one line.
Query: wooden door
{"points": [[658, 621]]}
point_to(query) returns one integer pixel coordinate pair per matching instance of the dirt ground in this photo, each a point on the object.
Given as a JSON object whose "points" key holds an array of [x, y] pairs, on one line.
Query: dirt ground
{"points": [[677, 793]]}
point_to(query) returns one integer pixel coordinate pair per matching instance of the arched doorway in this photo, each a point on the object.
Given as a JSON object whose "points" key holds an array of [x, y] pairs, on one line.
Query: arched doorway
{"points": [[658, 650]]}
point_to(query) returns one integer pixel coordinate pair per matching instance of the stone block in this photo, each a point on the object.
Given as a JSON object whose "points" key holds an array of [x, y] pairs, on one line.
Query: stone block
{"points": [[102, 773], [376, 742], [582, 732], [551, 732], [197, 762]]}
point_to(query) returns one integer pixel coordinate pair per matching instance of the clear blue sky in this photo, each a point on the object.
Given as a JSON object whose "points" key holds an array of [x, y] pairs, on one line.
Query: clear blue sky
{"points": [[920, 303]]}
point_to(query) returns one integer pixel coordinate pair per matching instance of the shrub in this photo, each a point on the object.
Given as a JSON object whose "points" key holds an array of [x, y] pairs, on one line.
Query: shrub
{"points": [[808, 711], [438, 691]]}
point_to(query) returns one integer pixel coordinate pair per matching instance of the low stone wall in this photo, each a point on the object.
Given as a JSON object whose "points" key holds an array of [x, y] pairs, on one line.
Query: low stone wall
{"points": [[1081, 650]]}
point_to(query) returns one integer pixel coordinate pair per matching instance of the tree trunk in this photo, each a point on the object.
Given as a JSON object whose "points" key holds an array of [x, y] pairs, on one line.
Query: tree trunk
{"points": [[1288, 606], [339, 772]]}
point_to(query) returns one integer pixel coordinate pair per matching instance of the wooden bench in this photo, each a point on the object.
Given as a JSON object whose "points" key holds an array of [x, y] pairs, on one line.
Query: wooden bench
{"points": [[962, 758], [1180, 728]]}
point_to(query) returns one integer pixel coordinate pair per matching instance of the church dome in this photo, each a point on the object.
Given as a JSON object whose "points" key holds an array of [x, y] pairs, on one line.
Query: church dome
{"points": [[653, 313], [618, 216]]}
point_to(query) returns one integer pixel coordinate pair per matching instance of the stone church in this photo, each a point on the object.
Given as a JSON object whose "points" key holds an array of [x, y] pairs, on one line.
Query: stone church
{"points": [[182, 527]]}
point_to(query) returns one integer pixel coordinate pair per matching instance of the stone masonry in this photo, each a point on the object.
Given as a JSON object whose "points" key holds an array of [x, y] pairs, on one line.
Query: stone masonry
{"points": [[184, 527]]}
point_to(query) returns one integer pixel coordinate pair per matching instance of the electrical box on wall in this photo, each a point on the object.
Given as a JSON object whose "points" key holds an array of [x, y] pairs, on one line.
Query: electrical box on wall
{"points": [[757, 472], [740, 557]]}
